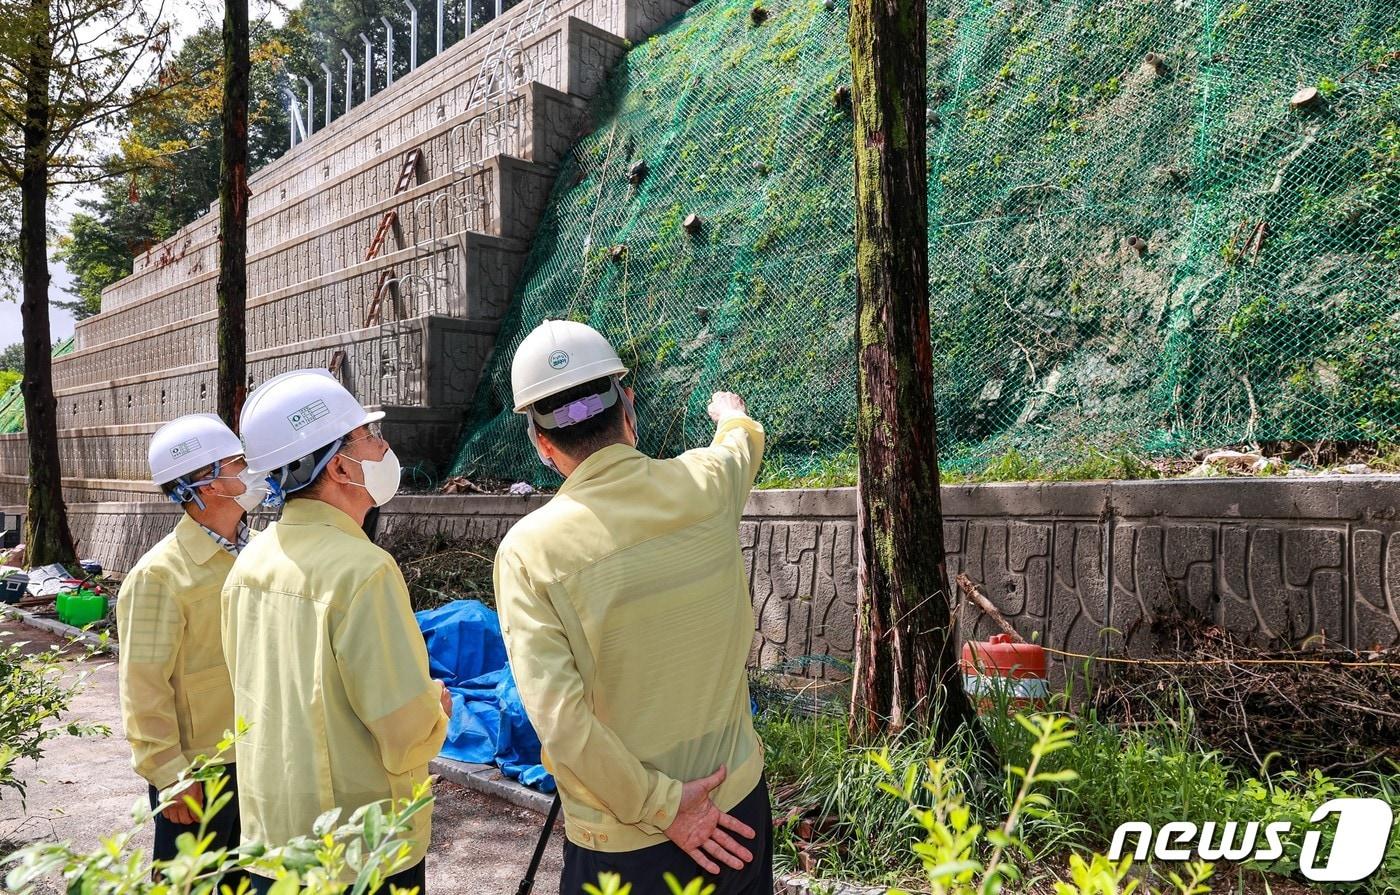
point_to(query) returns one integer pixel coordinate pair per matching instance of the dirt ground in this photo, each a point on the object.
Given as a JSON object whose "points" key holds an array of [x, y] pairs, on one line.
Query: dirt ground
{"points": [[84, 789]]}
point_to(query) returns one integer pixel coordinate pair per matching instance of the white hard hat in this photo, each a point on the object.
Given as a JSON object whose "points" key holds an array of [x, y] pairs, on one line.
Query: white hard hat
{"points": [[188, 443], [293, 414], [558, 355]]}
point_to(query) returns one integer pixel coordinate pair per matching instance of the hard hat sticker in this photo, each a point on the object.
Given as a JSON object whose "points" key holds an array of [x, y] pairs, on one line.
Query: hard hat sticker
{"points": [[185, 447], [308, 415], [559, 360]]}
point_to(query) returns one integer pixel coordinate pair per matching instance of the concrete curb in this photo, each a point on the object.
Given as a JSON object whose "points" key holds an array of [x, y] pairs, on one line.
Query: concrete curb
{"points": [[488, 780], [26, 617]]}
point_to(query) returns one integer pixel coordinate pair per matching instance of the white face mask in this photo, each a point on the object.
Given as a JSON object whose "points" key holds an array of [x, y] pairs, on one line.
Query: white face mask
{"points": [[255, 490], [381, 477], [535, 440]]}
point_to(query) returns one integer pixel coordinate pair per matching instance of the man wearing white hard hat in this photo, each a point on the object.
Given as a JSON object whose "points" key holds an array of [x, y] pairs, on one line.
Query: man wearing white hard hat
{"points": [[328, 665], [627, 618], [176, 702]]}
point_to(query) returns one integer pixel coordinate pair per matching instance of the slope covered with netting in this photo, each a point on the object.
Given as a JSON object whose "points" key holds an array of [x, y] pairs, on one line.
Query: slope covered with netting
{"points": [[12, 402], [1141, 236]]}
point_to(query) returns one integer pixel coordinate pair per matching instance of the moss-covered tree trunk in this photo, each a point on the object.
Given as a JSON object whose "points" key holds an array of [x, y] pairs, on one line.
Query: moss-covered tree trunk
{"points": [[233, 215], [46, 535], [906, 668]]}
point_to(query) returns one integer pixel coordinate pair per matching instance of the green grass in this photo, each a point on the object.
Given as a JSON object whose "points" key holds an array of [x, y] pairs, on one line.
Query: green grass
{"points": [[1012, 466], [837, 471], [826, 773], [1387, 457], [1156, 774]]}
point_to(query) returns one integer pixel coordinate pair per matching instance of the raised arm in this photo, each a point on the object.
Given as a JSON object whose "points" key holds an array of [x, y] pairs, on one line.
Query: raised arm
{"points": [[738, 445]]}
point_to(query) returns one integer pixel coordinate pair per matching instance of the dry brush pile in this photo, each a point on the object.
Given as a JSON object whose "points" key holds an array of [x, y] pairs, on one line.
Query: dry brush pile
{"points": [[1320, 707], [440, 567]]}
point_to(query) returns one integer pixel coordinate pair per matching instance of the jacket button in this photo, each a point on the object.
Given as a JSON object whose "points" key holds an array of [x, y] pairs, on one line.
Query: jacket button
{"points": [[602, 837]]}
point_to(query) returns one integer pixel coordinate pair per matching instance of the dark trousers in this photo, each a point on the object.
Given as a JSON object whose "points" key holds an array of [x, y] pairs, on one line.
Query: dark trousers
{"points": [[223, 826], [414, 877], [645, 868]]}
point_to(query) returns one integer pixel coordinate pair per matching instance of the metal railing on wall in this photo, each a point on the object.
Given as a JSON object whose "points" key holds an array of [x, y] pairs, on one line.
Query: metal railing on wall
{"points": [[501, 70]]}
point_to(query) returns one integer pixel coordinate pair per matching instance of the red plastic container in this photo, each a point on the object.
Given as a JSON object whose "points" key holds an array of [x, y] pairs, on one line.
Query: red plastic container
{"points": [[1004, 665]]}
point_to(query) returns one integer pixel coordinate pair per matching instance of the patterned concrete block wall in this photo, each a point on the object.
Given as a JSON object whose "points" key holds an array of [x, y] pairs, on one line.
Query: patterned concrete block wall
{"points": [[490, 117], [102, 452], [1089, 568], [355, 162], [425, 361], [479, 133], [152, 398], [537, 123], [154, 358], [339, 300], [440, 91], [477, 273], [78, 491]]}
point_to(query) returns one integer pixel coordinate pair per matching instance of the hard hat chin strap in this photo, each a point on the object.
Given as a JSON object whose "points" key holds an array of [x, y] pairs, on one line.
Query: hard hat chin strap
{"points": [[188, 492], [293, 477]]}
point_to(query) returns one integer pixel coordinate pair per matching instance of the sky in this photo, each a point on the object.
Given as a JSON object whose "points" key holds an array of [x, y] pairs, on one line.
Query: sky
{"points": [[185, 19], [59, 320]]}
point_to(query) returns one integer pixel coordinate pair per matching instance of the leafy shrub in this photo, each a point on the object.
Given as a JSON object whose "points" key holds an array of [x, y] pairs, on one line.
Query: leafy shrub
{"points": [[953, 844], [355, 856], [33, 695], [1089, 784]]}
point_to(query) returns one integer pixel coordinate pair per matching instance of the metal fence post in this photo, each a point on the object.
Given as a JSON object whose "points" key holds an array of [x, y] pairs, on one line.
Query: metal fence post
{"points": [[349, 78], [369, 66], [388, 51], [412, 36]]}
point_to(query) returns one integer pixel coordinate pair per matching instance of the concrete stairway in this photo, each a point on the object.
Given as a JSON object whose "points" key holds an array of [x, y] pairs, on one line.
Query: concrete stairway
{"points": [[414, 347]]}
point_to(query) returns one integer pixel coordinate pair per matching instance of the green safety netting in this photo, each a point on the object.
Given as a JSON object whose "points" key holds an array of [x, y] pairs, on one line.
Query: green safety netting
{"points": [[1136, 240], [12, 402]]}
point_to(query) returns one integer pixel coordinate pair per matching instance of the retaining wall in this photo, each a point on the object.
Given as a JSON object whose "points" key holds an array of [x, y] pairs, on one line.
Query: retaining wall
{"points": [[407, 331], [1088, 567]]}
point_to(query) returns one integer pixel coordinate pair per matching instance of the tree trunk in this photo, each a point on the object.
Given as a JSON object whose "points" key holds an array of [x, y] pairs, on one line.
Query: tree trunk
{"points": [[906, 672], [46, 535], [233, 215]]}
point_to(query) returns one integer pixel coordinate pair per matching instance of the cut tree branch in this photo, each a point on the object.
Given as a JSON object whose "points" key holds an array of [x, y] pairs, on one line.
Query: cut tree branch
{"points": [[969, 589]]}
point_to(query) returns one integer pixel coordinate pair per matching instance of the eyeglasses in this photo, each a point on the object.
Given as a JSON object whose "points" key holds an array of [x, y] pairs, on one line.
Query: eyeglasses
{"points": [[372, 431]]}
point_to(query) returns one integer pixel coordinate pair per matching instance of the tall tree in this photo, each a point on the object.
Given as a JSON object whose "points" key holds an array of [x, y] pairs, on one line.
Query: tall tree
{"points": [[95, 258], [64, 65], [173, 154], [906, 671], [233, 214], [46, 533]]}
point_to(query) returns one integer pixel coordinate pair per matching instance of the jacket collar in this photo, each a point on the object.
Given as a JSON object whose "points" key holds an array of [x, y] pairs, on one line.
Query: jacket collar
{"points": [[195, 541], [310, 511], [596, 464]]}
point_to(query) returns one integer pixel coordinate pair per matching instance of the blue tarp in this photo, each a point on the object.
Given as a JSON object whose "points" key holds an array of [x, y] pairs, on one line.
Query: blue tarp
{"points": [[466, 652]]}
